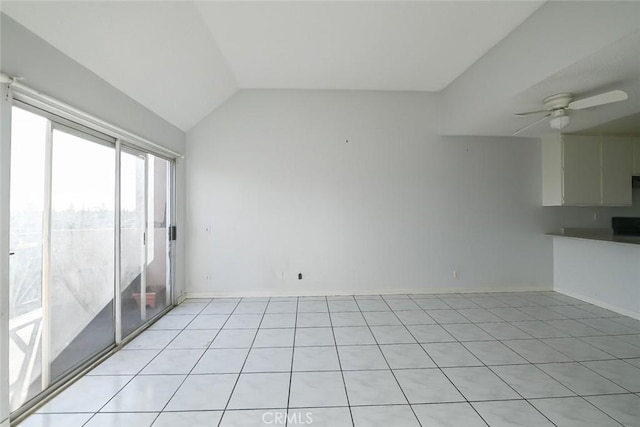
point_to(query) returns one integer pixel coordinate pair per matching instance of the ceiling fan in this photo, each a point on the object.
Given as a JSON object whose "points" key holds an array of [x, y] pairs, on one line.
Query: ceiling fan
{"points": [[557, 107]]}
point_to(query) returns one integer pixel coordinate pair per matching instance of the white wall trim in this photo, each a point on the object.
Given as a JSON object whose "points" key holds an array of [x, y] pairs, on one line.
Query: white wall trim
{"points": [[4, 423], [5, 175], [429, 291], [598, 302]]}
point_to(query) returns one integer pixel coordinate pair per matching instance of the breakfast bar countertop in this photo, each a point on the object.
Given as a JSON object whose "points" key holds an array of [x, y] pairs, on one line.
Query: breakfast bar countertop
{"points": [[599, 234]]}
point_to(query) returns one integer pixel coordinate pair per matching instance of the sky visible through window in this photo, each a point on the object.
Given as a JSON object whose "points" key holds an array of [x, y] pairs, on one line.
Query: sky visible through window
{"points": [[74, 158]]}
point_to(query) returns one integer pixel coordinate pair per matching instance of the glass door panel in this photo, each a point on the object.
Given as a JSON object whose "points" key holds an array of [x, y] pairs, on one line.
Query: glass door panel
{"points": [[82, 249], [63, 245], [28, 139], [158, 273], [145, 266], [132, 236]]}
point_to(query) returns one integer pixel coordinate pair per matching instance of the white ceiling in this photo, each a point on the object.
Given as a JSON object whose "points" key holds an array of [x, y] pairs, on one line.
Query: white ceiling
{"points": [[625, 126], [183, 59], [582, 47], [615, 67], [487, 59], [159, 53], [419, 46]]}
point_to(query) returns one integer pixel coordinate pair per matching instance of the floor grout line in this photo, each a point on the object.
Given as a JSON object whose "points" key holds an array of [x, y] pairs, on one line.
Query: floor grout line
{"points": [[451, 381], [293, 355], [199, 359], [389, 365], [139, 371], [245, 359], [335, 342]]}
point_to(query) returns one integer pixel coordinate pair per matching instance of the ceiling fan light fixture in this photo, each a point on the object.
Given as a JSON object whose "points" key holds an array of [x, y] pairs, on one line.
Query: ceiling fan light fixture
{"points": [[556, 107], [560, 120]]}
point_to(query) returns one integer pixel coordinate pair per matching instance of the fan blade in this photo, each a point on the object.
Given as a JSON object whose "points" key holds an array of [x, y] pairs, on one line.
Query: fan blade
{"points": [[603, 98], [531, 124], [529, 113]]}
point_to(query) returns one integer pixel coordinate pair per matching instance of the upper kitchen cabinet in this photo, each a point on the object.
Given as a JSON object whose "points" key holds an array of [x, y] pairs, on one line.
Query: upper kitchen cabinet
{"points": [[617, 167], [586, 171], [581, 171], [636, 156]]}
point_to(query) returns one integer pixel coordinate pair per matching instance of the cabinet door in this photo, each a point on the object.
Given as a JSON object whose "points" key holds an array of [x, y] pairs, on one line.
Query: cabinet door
{"points": [[617, 164], [581, 184], [636, 156]]}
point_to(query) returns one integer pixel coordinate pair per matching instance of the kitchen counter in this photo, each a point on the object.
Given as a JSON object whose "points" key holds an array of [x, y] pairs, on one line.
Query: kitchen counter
{"points": [[599, 234], [599, 267]]}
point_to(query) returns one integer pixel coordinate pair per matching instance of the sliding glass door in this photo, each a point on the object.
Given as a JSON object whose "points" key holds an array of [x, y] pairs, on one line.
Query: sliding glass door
{"points": [[133, 227], [144, 243], [158, 175], [66, 262], [28, 138], [81, 273]]}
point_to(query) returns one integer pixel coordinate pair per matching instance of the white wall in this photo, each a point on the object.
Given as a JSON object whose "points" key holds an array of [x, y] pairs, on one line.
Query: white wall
{"points": [[46, 69], [603, 273], [397, 208]]}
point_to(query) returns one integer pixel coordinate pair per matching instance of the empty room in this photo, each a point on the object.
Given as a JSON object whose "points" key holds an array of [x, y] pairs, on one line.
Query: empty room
{"points": [[319, 213]]}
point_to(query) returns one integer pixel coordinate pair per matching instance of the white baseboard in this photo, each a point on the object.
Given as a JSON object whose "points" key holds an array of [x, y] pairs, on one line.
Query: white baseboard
{"points": [[181, 298], [599, 303], [429, 291], [4, 423]]}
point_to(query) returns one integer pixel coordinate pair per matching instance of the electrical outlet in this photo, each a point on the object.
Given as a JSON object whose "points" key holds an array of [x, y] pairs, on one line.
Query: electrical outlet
{"points": [[207, 228], [455, 274], [595, 216], [206, 277]]}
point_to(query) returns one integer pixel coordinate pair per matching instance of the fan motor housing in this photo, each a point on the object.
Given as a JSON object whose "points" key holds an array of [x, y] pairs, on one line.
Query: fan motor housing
{"points": [[558, 101]]}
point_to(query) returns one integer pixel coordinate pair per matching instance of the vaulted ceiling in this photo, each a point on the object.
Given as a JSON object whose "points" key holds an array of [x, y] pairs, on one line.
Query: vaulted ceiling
{"points": [[183, 59], [419, 46], [485, 59]]}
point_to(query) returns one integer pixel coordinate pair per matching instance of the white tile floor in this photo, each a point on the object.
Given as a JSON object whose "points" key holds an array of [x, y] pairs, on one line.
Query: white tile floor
{"points": [[508, 359]]}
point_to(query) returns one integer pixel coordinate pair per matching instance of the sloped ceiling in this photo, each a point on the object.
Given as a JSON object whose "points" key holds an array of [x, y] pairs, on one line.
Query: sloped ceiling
{"points": [[625, 126], [183, 59], [615, 67], [581, 47], [486, 59], [160, 53], [415, 46]]}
